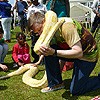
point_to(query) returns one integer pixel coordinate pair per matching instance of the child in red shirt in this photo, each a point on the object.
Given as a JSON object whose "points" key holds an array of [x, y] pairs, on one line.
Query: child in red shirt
{"points": [[20, 53]]}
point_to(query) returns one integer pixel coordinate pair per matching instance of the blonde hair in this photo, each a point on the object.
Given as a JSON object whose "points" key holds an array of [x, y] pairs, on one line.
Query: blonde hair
{"points": [[36, 18]]}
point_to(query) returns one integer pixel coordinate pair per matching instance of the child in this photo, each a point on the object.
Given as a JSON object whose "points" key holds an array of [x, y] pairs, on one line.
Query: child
{"points": [[3, 46], [20, 53]]}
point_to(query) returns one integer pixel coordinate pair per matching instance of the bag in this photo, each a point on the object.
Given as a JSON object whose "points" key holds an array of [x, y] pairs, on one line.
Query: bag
{"points": [[87, 40]]}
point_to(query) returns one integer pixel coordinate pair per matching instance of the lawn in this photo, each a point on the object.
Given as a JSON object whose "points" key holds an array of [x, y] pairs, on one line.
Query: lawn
{"points": [[14, 89]]}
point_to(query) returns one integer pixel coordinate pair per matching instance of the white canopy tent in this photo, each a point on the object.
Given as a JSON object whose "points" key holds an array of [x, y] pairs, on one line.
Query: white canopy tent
{"points": [[78, 11], [80, 0]]}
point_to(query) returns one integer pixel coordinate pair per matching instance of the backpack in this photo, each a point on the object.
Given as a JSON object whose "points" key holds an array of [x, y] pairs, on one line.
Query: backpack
{"points": [[87, 40]]}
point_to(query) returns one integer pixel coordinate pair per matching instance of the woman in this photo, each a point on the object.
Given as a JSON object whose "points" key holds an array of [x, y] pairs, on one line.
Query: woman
{"points": [[5, 10], [60, 7]]}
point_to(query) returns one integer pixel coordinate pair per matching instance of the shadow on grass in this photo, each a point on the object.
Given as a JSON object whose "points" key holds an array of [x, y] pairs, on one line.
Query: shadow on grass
{"points": [[67, 95], [92, 93], [3, 88], [9, 53]]}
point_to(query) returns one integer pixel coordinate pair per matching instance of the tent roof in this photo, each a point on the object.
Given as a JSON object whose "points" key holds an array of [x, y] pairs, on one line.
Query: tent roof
{"points": [[80, 0], [81, 6]]}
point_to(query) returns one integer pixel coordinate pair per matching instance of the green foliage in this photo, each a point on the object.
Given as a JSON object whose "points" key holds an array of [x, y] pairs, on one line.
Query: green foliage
{"points": [[14, 89]]}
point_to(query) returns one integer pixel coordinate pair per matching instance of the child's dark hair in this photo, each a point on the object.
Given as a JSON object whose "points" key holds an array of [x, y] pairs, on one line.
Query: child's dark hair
{"points": [[21, 36], [1, 30]]}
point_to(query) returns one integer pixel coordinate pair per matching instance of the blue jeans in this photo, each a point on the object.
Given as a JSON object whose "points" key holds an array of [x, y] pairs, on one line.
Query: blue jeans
{"points": [[81, 82], [6, 25], [3, 52]]}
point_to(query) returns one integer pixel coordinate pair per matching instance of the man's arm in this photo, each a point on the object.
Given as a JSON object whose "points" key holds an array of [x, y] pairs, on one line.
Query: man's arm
{"points": [[74, 52]]}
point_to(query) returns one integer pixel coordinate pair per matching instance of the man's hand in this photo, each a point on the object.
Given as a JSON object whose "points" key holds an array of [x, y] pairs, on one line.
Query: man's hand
{"points": [[46, 50]]}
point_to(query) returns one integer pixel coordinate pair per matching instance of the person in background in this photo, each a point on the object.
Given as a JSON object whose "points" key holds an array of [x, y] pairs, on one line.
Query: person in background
{"points": [[82, 51], [35, 7], [3, 50], [12, 23], [96, 9], [20, 52], [21, 7], [3, 46], [5, 10], [29, 3], [60, 7]]}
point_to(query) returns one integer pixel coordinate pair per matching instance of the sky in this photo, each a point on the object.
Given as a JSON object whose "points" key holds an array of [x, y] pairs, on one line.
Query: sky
{"points": [[11, 1]]}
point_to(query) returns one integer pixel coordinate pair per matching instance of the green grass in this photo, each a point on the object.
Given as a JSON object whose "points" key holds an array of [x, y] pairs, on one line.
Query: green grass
{"points": [[14, 89]]}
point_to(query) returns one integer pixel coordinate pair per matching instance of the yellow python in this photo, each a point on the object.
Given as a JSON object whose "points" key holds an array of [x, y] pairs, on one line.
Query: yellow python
{"points": [[51, 25]]}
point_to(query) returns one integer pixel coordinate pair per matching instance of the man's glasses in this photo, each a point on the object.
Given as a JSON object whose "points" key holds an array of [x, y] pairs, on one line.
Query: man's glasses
{"points": [[28, 2]]}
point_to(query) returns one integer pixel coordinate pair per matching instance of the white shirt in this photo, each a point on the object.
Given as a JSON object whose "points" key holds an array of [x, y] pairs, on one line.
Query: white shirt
{"points": [[32, 9]]}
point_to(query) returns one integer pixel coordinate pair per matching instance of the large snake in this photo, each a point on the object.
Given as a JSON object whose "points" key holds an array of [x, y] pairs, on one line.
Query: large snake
{"points": [[51, 25]]}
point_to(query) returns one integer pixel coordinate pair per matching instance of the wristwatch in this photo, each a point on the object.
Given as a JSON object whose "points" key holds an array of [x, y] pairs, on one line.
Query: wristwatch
{"points": [[55, 53]]}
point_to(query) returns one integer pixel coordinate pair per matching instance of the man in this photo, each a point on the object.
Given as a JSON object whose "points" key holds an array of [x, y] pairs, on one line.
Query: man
{"points": [[21, 7], [96, 9], [36, 7], [82, 51]]}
